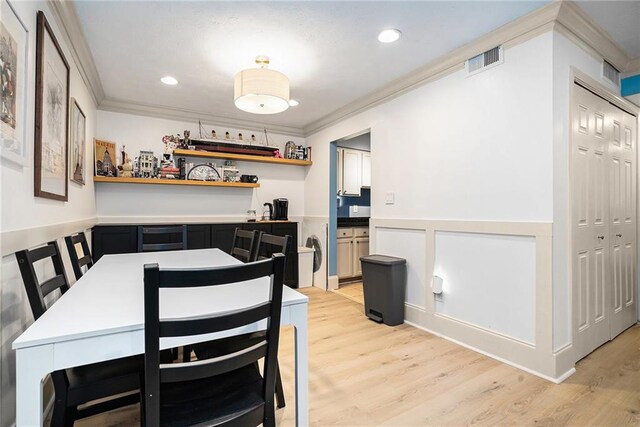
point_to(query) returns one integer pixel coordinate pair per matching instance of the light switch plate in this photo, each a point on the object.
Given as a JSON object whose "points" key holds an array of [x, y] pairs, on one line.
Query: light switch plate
{"points": [[355, 208], [390, 198]]}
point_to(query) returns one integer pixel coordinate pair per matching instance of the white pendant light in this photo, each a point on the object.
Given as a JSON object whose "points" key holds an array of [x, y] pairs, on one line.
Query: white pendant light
{"points": [[261, 90]]}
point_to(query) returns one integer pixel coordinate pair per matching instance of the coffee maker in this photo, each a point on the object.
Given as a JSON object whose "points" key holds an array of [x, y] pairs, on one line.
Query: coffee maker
{"points": [[280, 209]]}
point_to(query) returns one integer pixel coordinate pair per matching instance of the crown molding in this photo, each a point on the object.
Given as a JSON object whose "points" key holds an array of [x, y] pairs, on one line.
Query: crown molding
{"points": [[69, 23], [633, 66], [174, 113], [584, 28], [562, 16], [518, 31]]}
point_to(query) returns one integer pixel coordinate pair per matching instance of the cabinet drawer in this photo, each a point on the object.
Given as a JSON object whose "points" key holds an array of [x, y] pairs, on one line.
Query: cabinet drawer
{"points": [[345, 232], [361, 232]]}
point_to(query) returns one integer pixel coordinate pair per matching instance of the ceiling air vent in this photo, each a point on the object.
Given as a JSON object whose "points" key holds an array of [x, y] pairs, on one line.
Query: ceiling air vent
{"points": [[485, 60], [610, 73]]}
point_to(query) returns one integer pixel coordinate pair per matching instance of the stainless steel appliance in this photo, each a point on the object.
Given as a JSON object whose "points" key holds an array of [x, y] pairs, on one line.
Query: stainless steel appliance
{"points": [[280, 209]]}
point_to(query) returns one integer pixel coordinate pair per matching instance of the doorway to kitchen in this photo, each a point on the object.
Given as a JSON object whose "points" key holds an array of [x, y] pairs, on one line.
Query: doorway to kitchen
{"points": [[350, 212]]}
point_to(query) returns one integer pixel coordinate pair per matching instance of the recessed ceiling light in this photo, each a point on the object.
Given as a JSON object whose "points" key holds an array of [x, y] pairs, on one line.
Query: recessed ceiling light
{"points": [[293, 103], [389, 36], [168, 80]]}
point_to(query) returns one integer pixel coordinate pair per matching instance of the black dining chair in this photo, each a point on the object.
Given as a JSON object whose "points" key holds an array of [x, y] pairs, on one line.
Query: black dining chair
{"points": [[78, 262], [245, 245], [227, 390], [164, 238], [268, 245], [84, 384]]}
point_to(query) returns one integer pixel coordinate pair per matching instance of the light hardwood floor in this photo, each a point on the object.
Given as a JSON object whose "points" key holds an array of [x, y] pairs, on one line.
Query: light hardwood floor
{"points": [[353, 291], [366, 374]]}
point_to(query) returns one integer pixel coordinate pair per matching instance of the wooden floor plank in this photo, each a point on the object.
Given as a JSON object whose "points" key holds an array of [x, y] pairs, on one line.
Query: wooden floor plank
{"points": [[363, 374]]}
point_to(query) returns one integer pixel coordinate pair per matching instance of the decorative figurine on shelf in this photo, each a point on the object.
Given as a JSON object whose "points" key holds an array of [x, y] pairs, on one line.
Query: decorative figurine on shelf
{"points": [[123, 154], [239, 137], [186, 141], [170, 144], [127, 168], [227, 135], [253, 138], [213, 134], [277, 154]]}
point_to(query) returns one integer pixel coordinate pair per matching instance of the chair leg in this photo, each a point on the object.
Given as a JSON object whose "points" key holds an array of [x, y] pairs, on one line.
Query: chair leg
{"points": [[186, 354], [280, 402], [58, 419], [70, 416]]}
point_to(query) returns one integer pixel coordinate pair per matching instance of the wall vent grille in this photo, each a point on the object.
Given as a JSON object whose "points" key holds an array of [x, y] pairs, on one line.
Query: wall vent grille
{"points": [[485, 60], [610, 73]]}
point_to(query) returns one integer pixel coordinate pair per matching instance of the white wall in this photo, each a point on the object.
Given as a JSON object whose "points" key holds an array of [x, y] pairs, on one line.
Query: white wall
{"points": [[20, 210], [476, 148], [459, 148], [116, 202], [566, 54]]}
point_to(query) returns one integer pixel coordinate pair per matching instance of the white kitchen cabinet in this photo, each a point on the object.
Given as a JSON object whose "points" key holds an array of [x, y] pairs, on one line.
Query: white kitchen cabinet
{"points": [[352, 243], [339, 171], [344, 250], [351, 172], [366, 169], [361, 248]]}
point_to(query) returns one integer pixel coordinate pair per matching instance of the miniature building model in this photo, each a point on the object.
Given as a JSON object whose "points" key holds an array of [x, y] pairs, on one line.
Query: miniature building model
{"points": [[146, 164]]}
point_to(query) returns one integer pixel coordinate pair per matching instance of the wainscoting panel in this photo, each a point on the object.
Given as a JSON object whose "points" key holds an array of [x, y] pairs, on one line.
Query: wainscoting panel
{"points": [[489, 281], [497, 295]]}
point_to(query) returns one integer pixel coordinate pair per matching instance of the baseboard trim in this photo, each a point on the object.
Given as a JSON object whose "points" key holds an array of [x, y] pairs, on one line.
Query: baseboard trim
{"points": [[557, 380]]}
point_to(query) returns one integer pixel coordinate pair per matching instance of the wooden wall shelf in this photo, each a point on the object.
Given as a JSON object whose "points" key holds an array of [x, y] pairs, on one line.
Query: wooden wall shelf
{"points": [[117, 180], [241, 157]]}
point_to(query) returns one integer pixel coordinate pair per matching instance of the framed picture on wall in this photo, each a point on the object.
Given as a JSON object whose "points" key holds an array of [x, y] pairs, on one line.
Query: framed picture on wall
{"points": [[14, 49], [78, 140], [52, 115]]}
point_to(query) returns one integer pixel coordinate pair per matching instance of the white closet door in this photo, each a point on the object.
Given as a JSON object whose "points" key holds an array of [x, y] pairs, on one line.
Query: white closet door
{"points": [[590, 217], [623, 220]]}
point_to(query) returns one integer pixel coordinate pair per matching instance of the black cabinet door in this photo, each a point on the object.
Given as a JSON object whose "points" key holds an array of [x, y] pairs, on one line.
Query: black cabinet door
{"points": [[198, 236], [108, 239], [222, 236], [291, 270]]}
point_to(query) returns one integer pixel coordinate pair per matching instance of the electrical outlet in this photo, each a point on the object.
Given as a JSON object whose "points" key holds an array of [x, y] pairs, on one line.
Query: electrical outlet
{"points": [[389, 198], [355, 208]]}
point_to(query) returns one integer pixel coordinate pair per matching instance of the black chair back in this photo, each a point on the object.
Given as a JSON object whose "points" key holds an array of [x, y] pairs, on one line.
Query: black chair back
{"points": [[245, 245], [85, 260], [162, 233], [36, 291], [269, 244], [155, 328]]}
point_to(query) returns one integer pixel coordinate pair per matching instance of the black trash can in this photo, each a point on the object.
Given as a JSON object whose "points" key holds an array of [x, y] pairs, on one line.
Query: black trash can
{"points": [[384, 279]]}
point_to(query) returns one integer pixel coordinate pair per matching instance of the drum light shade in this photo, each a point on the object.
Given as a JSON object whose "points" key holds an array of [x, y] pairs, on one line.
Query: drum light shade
{"points": [[260, 90]]}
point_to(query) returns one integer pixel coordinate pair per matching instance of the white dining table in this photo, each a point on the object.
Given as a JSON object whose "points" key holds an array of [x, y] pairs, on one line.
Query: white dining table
{"points": [[101, 317]]}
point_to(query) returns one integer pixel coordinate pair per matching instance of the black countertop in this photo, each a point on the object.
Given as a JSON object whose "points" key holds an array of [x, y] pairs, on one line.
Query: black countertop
{"points": [[353, 222]]}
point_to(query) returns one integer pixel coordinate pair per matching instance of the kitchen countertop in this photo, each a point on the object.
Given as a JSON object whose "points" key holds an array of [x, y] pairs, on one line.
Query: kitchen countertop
{"points": [[353, 222]]}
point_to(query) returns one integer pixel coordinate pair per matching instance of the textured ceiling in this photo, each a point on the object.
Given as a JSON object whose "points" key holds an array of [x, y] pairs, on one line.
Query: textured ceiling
{"points": [[621, 19], [329, 50]]}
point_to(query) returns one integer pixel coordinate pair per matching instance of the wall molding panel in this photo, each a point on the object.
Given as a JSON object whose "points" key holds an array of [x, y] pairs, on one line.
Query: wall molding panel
{"points": [[15, 240], [537, 358]]}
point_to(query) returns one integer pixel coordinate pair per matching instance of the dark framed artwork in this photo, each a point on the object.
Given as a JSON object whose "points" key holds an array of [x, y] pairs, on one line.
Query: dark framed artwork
{"points": [[51, 163], [78, 143], [14, 50]]}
